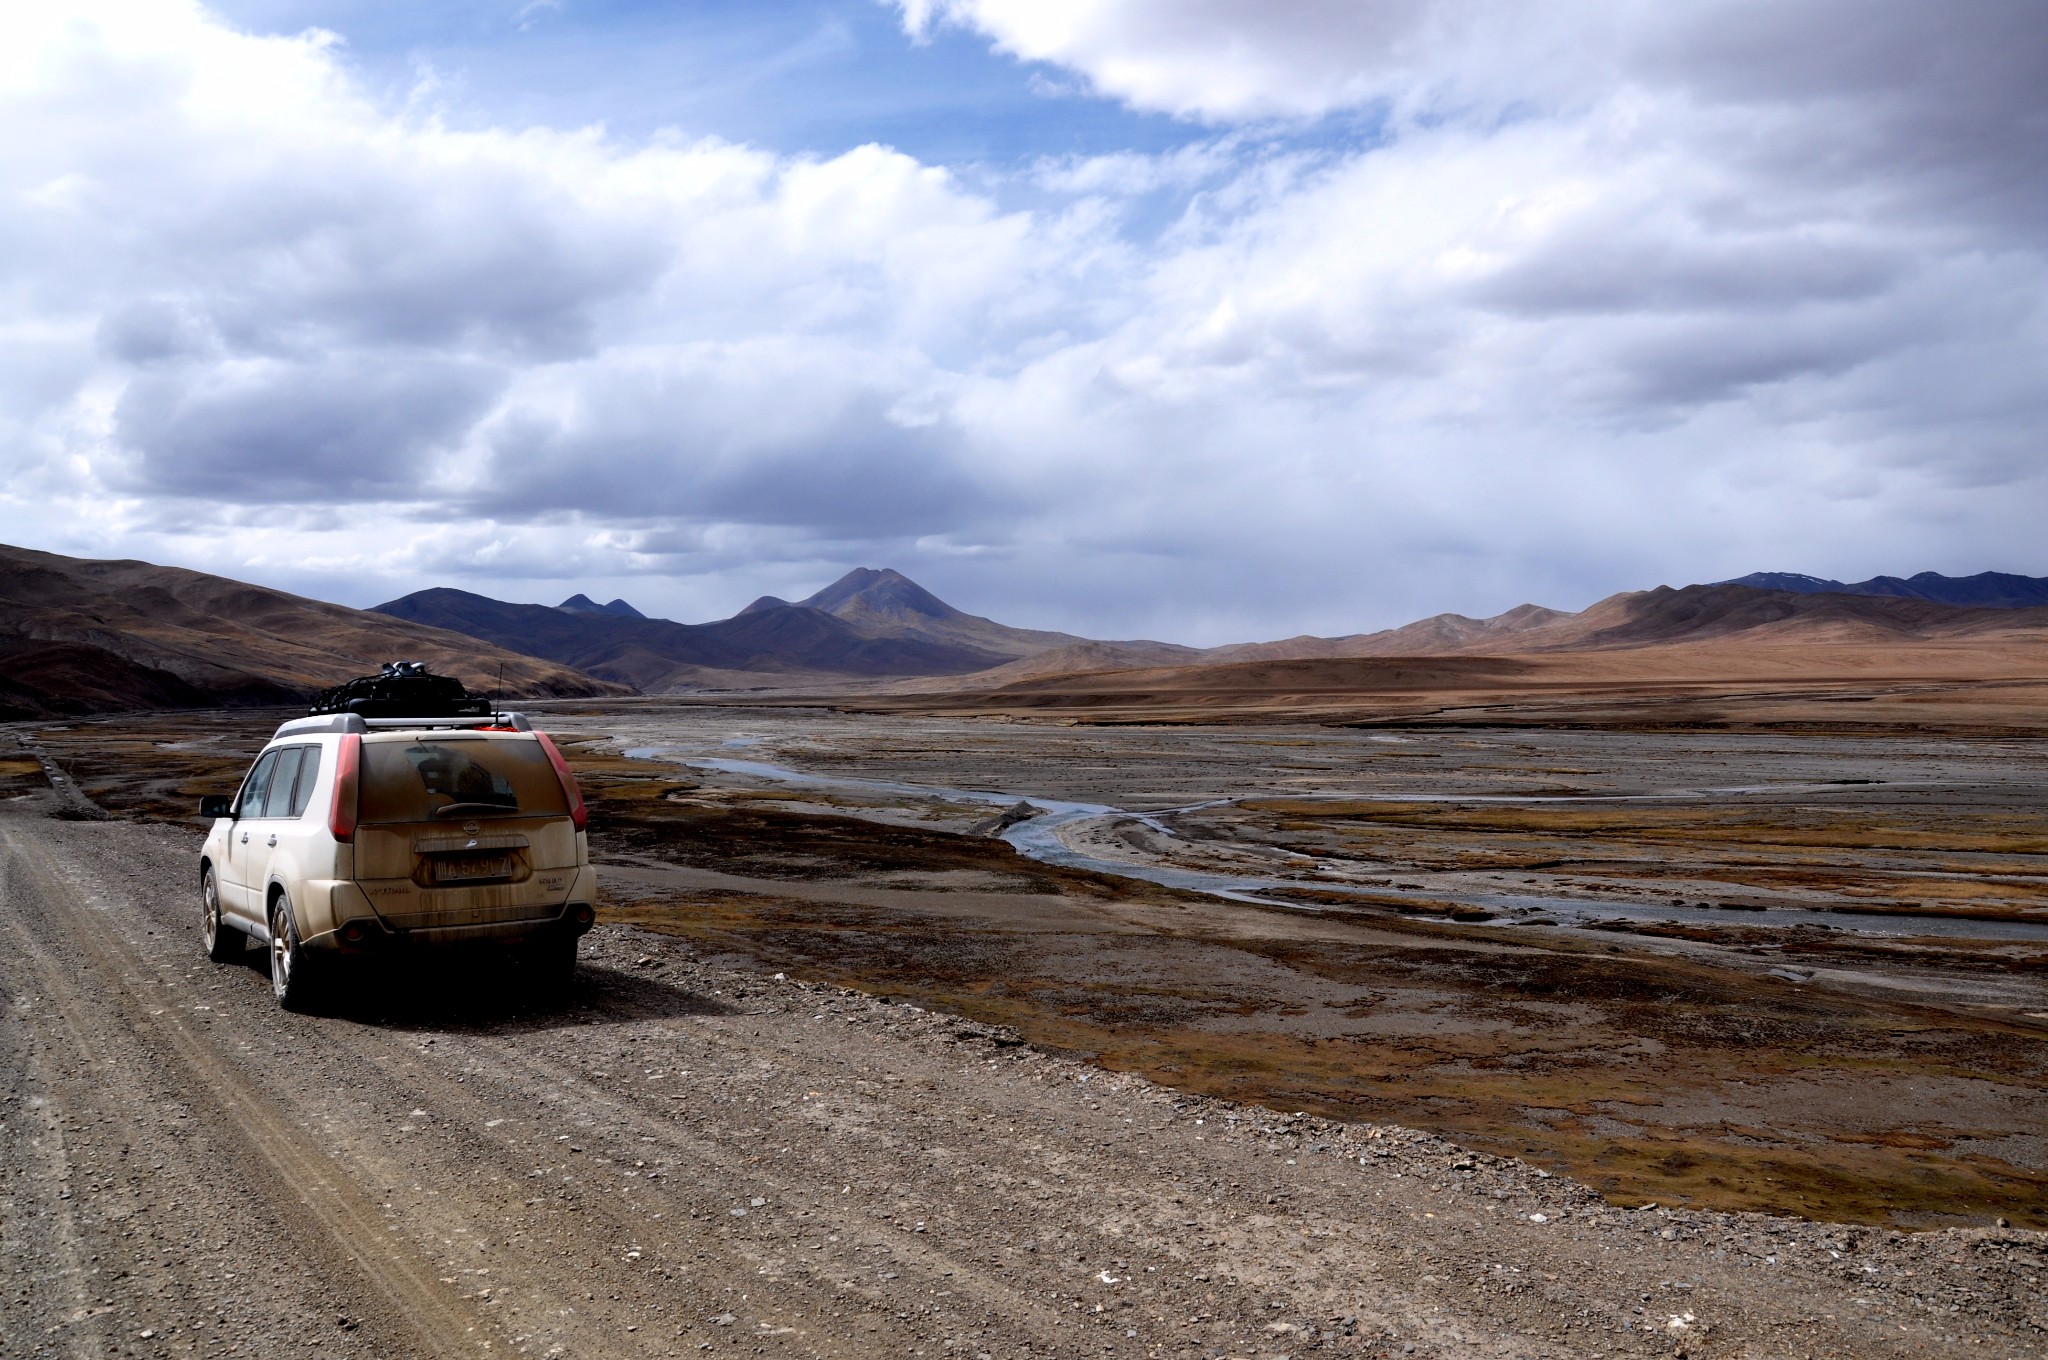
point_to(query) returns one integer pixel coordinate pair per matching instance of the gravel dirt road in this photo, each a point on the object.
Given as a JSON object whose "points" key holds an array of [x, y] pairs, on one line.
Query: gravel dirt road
{"points": [[690, 1155]]}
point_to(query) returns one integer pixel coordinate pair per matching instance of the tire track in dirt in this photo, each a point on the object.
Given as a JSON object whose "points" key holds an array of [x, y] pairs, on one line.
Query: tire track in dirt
{"points": [[817, 1167], [35, 1195], [576, 1231], [523, 1080], [299, 1175], [1087, 1186], [76, 1092]]}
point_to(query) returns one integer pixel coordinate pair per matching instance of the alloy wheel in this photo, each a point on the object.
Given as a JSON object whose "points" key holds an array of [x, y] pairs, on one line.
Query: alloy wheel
{"points": [[281, 951]]}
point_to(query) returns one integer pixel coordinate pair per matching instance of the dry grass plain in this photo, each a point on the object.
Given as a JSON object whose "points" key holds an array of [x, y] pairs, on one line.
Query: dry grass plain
{"points": [[1759, 1005]]}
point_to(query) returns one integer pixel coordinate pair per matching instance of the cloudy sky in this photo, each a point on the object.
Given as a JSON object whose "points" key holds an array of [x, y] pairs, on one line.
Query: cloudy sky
{"points": [[1198, 319]]}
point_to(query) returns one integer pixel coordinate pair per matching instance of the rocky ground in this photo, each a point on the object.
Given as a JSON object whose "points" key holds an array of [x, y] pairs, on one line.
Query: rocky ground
{"points": [[697, 1155]]}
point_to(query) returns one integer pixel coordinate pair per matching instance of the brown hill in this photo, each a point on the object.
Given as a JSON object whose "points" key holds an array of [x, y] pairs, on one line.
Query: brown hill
{"points": [[79, 636], [1646, 618], [1654, 618], [1704, 656], [1440, 635], [1640, 618], [1662, 617], [1074, 659]]}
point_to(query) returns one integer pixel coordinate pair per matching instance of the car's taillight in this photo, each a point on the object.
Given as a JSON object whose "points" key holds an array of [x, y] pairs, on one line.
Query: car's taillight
{"points": [[341, 816], [577, 812]]}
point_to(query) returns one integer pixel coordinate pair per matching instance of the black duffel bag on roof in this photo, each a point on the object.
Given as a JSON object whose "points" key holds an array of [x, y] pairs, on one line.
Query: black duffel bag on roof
{"points": [[403, 689]]}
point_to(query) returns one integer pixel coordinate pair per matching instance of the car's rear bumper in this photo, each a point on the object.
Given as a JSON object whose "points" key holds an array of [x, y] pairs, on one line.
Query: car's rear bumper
{"points": [[373, 937], [355, 926]]}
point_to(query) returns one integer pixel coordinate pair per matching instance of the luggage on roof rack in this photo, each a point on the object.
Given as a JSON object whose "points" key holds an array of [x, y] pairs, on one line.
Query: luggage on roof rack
{"points": [[403, 689]]}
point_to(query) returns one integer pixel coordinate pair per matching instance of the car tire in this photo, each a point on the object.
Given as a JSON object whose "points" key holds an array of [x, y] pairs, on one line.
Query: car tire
{"points": [[224, 943], [293, 977], [551, 962]]}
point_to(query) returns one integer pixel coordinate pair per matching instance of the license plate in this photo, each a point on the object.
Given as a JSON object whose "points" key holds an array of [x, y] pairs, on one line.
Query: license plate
{"points": [[472, 866]]}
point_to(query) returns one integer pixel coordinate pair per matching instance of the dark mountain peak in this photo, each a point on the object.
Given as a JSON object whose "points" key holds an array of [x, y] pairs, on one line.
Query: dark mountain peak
{"points": [[1784, 580], [851, 584], [765, 603], [883, 591], [437, 595], [580, 603]]}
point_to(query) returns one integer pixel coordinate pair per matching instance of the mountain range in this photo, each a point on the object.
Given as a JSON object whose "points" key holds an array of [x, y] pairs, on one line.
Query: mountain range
{"points": [[869, 624], [1989, 589], [877, 625], [1639, 618], [81, 636]]}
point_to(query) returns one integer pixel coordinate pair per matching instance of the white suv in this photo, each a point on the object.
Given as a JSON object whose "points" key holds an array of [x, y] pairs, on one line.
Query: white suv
{"points": [[358, 836]]}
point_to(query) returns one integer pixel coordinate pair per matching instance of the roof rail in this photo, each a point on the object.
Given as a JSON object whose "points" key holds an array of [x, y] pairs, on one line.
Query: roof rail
{"points": [[355, 722]]}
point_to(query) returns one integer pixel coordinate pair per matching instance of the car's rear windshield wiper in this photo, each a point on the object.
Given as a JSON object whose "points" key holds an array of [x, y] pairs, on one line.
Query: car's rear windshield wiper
{"points": [[469, 809]]}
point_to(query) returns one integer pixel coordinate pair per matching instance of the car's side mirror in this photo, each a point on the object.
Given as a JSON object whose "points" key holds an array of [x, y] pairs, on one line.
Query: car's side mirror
{"points": [[216, 805]]}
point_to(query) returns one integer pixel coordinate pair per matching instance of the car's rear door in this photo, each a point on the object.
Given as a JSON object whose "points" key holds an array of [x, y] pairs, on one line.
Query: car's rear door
{"points": [[296, 765], [233, 873]]}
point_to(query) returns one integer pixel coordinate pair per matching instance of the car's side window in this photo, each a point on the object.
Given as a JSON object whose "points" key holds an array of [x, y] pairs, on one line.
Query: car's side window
{"points": [[309, 770], [249, 803], [277, 799]]}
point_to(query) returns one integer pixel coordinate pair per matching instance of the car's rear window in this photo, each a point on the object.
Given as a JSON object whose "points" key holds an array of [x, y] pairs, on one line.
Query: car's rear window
{"points": [[291, 782], [441, 778], [280, 784]]}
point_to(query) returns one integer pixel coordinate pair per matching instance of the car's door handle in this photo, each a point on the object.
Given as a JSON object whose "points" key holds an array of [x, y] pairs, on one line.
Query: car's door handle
{"points": [[245, 838], [273, 840]]}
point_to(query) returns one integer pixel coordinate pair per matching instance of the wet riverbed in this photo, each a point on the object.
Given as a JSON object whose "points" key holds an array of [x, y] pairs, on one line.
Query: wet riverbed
{"points": [[1050, 836]]}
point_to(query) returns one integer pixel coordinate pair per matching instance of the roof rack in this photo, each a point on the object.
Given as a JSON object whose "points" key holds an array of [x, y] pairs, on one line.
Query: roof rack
{"points": [[402, 689], [355, 722]]}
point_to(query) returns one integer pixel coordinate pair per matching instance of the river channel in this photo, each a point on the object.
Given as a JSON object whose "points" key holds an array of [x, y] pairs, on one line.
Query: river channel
{"points": [[1044, 837]]}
